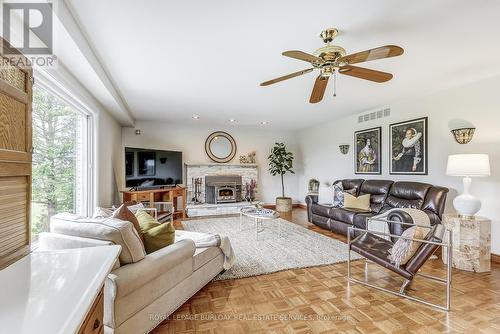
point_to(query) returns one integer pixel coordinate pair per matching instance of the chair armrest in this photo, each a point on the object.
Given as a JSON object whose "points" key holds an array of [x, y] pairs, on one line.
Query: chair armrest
{"points": [[130, 277], [310, 200], [434, 218]]}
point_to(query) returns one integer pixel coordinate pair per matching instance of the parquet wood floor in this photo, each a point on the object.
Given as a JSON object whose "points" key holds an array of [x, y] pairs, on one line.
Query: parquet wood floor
{"points": [[319, 300]]}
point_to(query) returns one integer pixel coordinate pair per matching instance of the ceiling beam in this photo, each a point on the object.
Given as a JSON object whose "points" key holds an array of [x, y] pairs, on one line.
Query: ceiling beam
{"points": [[75, 31]]}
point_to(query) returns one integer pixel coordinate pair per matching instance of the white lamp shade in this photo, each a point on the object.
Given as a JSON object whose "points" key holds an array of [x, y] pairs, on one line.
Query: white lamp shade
{"points": [[468, 165]]}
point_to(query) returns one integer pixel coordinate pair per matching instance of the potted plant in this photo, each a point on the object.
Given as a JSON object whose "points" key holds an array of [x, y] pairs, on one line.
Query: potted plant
{"points": [[280, 163]]}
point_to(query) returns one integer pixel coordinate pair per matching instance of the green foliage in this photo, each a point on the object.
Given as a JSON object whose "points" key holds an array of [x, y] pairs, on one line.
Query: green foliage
{"points": [[55, 127], [280, 163]]}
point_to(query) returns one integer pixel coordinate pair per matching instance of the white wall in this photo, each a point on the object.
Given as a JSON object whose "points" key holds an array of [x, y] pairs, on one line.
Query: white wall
{"points": [[108, 155], [190, 139], [478, 103]]}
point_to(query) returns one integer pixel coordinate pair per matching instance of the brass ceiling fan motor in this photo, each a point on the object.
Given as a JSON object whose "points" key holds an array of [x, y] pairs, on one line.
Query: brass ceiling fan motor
{"points": [[330, 59]]}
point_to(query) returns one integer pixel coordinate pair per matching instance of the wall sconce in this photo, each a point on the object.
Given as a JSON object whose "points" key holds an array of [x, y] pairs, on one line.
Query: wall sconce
{"points": [[463, 135], [138, 132], [344, 149]]}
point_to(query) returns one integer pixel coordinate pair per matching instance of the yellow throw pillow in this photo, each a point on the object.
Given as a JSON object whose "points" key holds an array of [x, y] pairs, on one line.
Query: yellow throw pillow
{"points": [[361, 203], [156, 235]]}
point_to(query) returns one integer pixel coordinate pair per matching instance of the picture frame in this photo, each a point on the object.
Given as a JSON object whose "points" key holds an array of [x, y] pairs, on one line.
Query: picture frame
{"points": [[368, 151], [408, 147]]}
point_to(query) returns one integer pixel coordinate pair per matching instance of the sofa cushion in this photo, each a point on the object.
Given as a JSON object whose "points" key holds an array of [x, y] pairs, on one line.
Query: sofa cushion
{"points": [[321, 209], [407, 195], [351, 186], [343, 215], [204, 255], [321, 221], [361, 218], [119, 232], [378, 190], [377, 249]]}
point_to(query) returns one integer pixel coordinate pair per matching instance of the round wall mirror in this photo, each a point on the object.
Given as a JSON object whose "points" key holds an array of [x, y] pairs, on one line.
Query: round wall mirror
{"points": [[220, 147]]}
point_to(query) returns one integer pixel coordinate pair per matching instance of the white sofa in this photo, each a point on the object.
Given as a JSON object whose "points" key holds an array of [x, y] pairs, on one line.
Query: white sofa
{"points": [[138, 296]]}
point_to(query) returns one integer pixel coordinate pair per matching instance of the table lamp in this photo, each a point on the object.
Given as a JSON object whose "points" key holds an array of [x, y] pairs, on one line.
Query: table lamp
{"points": [[467, 165]]}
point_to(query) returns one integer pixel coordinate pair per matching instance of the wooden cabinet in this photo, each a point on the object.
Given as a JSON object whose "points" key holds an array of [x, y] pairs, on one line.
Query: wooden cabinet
{"points": [[93, 323], [15, 160], [175, 195]]}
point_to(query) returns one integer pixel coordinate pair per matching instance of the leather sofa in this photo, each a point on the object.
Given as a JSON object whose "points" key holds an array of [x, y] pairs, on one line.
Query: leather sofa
{"points": [[385, 195]]}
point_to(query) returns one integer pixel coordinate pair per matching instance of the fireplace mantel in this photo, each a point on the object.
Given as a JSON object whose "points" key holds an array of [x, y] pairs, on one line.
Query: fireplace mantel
{"points": [[220, 165]]}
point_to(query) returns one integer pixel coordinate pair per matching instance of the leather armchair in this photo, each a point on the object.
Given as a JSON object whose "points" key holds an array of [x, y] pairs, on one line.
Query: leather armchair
{"points": [[373, 247]]}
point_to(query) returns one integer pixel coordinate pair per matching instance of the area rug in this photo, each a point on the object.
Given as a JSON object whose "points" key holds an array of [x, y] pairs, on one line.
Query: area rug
{"points": [[296, 247]]}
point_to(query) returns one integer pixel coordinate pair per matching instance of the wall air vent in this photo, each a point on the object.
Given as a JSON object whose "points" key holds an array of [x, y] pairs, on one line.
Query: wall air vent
{"points": [[374, 115]]}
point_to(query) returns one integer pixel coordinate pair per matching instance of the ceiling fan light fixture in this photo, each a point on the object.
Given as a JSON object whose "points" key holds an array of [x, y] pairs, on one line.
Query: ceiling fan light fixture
{"points": [[328, 35], [333, 58]]}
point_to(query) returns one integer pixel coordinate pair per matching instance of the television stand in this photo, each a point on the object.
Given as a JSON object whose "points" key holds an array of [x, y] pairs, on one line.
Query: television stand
{"points": [[176, 195]]}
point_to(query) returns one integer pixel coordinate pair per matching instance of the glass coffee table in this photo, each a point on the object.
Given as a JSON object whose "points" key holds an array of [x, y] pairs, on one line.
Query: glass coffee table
{"points": [[259, 215]]}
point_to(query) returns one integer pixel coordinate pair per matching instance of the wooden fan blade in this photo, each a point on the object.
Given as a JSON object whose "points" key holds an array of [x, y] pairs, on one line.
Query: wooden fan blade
{"points": [[377, 53], [319, 89], [365, 73], [286, 77], [302, 56]]}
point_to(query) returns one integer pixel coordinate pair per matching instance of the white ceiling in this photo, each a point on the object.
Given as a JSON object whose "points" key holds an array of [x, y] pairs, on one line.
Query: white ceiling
{"points": [[170, 60]]}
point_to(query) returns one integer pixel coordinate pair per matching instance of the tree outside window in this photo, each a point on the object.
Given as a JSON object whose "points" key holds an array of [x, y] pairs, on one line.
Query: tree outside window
{"points": [[57, 141]]}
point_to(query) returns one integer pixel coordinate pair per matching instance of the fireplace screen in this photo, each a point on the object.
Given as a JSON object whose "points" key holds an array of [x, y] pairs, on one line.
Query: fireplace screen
{"points": [[222, 189], [226, 194]]}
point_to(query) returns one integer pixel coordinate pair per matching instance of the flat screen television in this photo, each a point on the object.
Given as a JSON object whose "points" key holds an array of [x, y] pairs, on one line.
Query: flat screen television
{"points": [[146, 168]]}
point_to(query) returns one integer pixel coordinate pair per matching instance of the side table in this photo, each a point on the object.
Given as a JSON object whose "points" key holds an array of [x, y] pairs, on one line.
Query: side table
{"points": [[471, 242]]}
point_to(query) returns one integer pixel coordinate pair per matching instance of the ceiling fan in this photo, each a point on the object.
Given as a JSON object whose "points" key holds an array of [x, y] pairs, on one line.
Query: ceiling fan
{"points": [[333, 58]]}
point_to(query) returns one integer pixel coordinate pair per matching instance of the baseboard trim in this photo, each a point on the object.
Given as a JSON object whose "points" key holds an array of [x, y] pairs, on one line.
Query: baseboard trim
{"points": [[495, 258]]}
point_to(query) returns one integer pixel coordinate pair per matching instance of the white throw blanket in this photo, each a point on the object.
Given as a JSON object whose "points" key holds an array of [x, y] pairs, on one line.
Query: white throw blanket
{"points": [[202, 240], [404, 249], [419, 217]]}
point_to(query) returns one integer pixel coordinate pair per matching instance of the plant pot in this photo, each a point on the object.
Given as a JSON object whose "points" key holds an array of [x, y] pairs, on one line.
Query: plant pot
{"points": [[283, 204]]}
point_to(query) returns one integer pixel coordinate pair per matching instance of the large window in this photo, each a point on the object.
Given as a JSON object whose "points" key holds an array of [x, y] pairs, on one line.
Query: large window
{"points": [[60, 159]]}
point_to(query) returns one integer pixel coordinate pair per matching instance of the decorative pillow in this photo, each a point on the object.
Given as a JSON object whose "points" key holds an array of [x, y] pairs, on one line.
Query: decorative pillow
{"points": [[403, 250], [156, 235], [119, 232], [134, 206], [124, 213], [338, 195], [361, 203], [102, 212]]}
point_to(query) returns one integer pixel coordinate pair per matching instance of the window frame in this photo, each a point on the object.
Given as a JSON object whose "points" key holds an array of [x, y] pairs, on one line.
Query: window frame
{"points": [[44, 81]]}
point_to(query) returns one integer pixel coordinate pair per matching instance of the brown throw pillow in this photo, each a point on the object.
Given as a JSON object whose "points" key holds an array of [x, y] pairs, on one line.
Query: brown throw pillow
{"points": [[124, 213]]}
